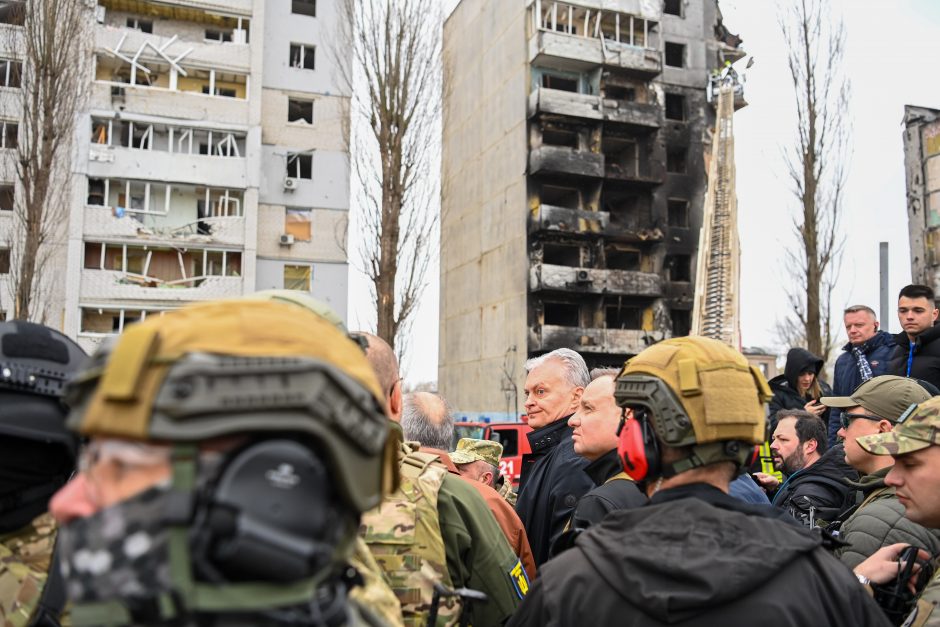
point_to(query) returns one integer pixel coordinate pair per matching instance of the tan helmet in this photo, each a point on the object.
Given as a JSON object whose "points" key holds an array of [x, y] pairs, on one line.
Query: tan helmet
{"points": [[701, 393], [242, 366]]}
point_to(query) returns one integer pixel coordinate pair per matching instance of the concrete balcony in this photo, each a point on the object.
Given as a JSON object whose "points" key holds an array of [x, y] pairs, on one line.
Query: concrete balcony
{"points": [[160, 165], [593, 281], [113, 286], [552, 49], [589, 107], [551, 219], [648, 172], [592, 340], [562, 160], [163, 102], [101, 224], [227, 57]]}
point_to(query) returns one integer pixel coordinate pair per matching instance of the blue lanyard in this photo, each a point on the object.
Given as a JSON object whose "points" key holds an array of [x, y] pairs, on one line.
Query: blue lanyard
{"points": [[910, 358]]}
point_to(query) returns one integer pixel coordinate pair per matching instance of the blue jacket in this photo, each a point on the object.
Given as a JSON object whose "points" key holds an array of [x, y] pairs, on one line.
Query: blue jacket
{"points": [[878, 351]]}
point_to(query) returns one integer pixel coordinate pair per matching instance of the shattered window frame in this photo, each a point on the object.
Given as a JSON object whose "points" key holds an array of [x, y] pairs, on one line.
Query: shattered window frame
{"points": [[302, 56], [298, 277], [299, 110]]}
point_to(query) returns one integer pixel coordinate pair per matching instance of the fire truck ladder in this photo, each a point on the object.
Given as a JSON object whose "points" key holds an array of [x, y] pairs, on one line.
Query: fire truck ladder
{"points": [[716, 310]]}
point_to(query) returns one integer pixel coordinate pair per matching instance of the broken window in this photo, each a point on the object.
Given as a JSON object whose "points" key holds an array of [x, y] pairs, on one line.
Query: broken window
{"points": [[95, 192], [618, 92], [628, 259], [299, 223], [218, 36], [6, 197], [299, 165], [4, 261], [145, 26], [561, 255], [675, 54], [93, 256], [558, 196], [12, 12], [10, 134], [621, 154], [299, 110], [560, 82], [101, 320], [304, 7], [676, 160], [10, 73], [302, 56], [678, 267], [620, 316], [681, 322], [561, 314], [675, 107], [627, 211], [297, 277], [678, 213], [673, 7], [556, 135], [225, 92]]}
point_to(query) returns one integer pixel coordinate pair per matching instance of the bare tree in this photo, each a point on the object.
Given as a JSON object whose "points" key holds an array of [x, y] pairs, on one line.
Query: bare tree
{"points": [[52, 42], [817, 166], [390, 62]]}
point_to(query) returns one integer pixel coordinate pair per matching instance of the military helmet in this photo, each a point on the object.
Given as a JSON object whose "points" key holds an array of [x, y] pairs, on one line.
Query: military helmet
{"points": [[242, 366], [301, 299], [35, 364], [698, 392]]}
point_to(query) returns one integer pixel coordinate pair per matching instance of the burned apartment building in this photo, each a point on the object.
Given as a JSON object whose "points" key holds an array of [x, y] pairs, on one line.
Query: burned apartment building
{"points": [[574, 175], [922, 168], [211, 160]]}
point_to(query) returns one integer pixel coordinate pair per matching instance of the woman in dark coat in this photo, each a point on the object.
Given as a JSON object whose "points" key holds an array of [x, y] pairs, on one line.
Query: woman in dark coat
{"points": [[799, 386]]}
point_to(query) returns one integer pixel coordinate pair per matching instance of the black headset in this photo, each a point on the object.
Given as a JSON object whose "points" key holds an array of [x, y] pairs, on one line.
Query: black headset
{"points": [[273, 514]]}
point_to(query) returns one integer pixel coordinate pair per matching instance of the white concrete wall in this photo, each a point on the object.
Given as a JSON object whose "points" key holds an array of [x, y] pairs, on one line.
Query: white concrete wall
{"points": [[329, 281]]}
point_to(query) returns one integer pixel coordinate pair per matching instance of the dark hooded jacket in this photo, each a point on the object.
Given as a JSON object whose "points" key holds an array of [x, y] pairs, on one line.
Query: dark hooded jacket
{"points": [[823, 486], [926, 359], [846, 376], [550, 484], [785, 388], [696, 556]]}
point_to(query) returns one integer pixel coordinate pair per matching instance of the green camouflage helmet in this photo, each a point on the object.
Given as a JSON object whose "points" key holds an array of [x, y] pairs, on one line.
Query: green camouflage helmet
{"points": [[917, 428]]}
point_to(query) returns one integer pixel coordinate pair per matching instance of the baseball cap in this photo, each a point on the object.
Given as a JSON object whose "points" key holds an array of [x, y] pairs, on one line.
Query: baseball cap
{"points": [[473, 450], [917, 429], [887, 396]]}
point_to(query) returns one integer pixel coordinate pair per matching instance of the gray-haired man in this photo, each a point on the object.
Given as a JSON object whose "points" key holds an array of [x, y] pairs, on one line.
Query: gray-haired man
{"points": [[552, 478]]}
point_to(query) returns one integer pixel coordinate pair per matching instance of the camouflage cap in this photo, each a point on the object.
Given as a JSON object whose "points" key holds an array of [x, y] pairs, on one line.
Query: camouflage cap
{"points": [[474, 450], [917, 428], [887, 396]]}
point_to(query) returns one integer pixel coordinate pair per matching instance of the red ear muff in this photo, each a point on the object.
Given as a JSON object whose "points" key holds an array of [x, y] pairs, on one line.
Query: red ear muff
{"points": [[637, 448], [755, 454]]}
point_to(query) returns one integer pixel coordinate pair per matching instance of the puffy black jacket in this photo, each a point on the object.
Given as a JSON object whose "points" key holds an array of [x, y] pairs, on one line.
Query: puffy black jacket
{"points": [[696, 556], [846, 377], [879, 521], [823, 486], [550, 484], [784, 386], [614, 490], [926, 363]]}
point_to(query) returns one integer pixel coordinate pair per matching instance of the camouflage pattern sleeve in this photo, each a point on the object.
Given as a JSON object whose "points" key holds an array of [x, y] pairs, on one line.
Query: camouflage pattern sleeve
{"points": [[375, 593], [24, 565]]}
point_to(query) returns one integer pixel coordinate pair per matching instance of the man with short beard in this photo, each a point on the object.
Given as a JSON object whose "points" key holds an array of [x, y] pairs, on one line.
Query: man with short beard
{"points": [[815, 487]]}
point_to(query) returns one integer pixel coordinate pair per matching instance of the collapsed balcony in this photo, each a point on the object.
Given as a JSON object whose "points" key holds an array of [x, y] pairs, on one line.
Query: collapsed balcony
{"points": [[164, 212], [580, 280], [136, 272]]}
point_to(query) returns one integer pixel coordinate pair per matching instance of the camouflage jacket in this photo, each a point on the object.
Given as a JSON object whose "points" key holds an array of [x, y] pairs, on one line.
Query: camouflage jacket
{"points": [[926, 614], [24, 565], [505, 490], [375, 592]]}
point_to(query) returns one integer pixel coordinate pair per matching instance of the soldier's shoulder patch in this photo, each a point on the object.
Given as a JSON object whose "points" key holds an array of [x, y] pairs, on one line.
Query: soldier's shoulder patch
{"points": [[519, 579]]}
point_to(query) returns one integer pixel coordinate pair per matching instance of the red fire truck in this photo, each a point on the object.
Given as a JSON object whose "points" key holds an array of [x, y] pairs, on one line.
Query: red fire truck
{"points": [[512, 435]]}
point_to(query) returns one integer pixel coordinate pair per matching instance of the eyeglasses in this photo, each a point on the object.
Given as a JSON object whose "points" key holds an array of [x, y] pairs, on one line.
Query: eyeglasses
{"points": [[846, 419]]}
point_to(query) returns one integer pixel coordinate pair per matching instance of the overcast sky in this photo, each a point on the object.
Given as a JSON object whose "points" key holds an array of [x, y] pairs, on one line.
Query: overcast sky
{"points": [[892, 51]]}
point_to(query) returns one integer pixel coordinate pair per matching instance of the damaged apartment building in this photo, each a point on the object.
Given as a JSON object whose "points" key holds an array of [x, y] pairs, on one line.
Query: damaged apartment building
{"points": [[574, 176], [211, 160]]}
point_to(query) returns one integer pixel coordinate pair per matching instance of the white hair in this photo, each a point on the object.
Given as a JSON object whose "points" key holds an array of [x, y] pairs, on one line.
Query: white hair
{"points": [[576, 371]]}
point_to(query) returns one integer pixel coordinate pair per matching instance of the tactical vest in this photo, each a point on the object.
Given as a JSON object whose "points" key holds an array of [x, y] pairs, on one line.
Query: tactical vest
{"points": [[404, 534]]}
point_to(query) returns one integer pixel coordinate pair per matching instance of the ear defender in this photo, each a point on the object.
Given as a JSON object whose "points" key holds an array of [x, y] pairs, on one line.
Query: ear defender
{"points": [[637, 447]]}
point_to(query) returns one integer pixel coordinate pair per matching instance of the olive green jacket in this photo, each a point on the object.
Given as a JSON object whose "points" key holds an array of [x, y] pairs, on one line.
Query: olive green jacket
{"points": [[478, 555]]}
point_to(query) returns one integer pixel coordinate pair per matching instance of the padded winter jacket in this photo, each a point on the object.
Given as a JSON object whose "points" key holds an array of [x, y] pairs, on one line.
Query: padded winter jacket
{"points": [[879, 521], [878, 350], [784, 386], [924, 356], [822, 487]]}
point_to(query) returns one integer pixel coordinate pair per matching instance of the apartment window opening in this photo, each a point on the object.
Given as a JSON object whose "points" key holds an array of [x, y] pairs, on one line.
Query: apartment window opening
{"points": [[678, 268], [678, 213], [676, 160], [561, 255], [304, 7], [675, 107], [302, 56], [11, 73], [675, 54], [144, 26], [562, 314], [300, 165], [299, 110]]}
